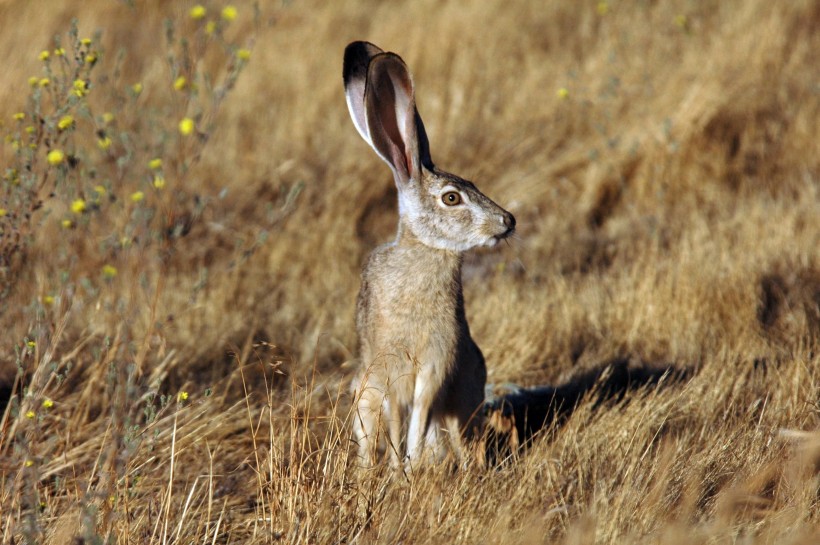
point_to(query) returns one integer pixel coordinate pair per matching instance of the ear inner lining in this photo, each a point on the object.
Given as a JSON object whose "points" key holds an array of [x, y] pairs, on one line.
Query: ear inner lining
{"points": [[391, 114]]}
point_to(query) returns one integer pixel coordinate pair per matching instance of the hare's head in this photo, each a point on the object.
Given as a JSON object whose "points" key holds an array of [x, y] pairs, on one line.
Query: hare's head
{"points": [[440, 209]]}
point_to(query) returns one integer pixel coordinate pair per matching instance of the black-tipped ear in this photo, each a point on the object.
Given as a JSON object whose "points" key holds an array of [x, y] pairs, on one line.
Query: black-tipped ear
{"points": [[357, 58], [381, 100], [354, 73]]}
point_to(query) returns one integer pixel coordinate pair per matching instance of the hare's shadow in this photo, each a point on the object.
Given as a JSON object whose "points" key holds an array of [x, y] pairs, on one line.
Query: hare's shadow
{"points": [[515, 415]]}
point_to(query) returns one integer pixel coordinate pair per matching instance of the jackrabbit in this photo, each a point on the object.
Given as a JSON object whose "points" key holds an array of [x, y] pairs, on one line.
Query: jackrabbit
{"points": [[417, 356]]}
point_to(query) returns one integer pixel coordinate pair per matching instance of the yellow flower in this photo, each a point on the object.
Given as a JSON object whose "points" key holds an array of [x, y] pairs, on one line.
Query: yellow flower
{"points": [[33, 81], [86, 41], [30, 414], [66, 224], [3, 212], [137, 88], [19, 116], [107, 117], [65, 122], [680, 21], [80, 88], [244, 54], [91, 58], [44, 55], [29, 463], [155, 163], [563, 93], [186, 126], [104, 143], [31, 344], [30, 130], [603, 8], [159, 181], [59, 51], [179, 83], [48, 299], [229, 13], [99, 190], [47, 403], [182, 396], [137, 196], [197, 12], [78, 206], [210, 27], [109, 271], [44, 82], [55, 157]]}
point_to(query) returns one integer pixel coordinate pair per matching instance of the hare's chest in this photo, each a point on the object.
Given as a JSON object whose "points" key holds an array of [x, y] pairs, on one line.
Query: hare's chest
{"points": [[416, 304], [414, 307]]}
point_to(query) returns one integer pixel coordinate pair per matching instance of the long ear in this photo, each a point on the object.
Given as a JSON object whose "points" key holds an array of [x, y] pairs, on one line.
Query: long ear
{"points": [[354, 73], [390, 111]]}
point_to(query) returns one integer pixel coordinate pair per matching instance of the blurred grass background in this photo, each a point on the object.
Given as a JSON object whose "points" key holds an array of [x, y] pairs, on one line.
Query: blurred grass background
{"points": [[661, 159]]}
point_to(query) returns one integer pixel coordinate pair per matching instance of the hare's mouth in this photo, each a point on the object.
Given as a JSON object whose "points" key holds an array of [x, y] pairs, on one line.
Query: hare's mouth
{"points": [[508, 221], [495, 239]]}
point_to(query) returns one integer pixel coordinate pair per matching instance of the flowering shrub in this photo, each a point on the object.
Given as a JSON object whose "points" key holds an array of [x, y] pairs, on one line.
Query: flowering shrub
{"points": [[89, 153], [105, 163]]}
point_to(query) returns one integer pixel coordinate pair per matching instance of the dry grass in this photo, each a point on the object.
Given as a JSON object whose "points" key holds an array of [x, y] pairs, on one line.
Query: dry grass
{"points": [[668, 204]]}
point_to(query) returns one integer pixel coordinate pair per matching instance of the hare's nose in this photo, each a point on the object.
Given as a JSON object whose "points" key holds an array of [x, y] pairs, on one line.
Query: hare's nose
{"points": [[509, 221]]}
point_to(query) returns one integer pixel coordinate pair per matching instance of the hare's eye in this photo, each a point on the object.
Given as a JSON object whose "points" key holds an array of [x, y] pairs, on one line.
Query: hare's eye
{"points": [[451, 198]]}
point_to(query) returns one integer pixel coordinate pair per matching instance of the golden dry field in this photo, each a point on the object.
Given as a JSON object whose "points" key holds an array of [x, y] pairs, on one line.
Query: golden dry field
{"points": [[186, 206]]}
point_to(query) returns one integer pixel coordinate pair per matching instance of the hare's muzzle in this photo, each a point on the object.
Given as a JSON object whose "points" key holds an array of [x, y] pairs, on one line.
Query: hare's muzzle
{"points": [[509, 222], [506, 221]]}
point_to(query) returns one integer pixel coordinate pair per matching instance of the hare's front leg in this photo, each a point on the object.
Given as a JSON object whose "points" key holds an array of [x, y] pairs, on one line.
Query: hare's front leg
{"points": [[416, 431], [423, 396], [366, 423]]}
